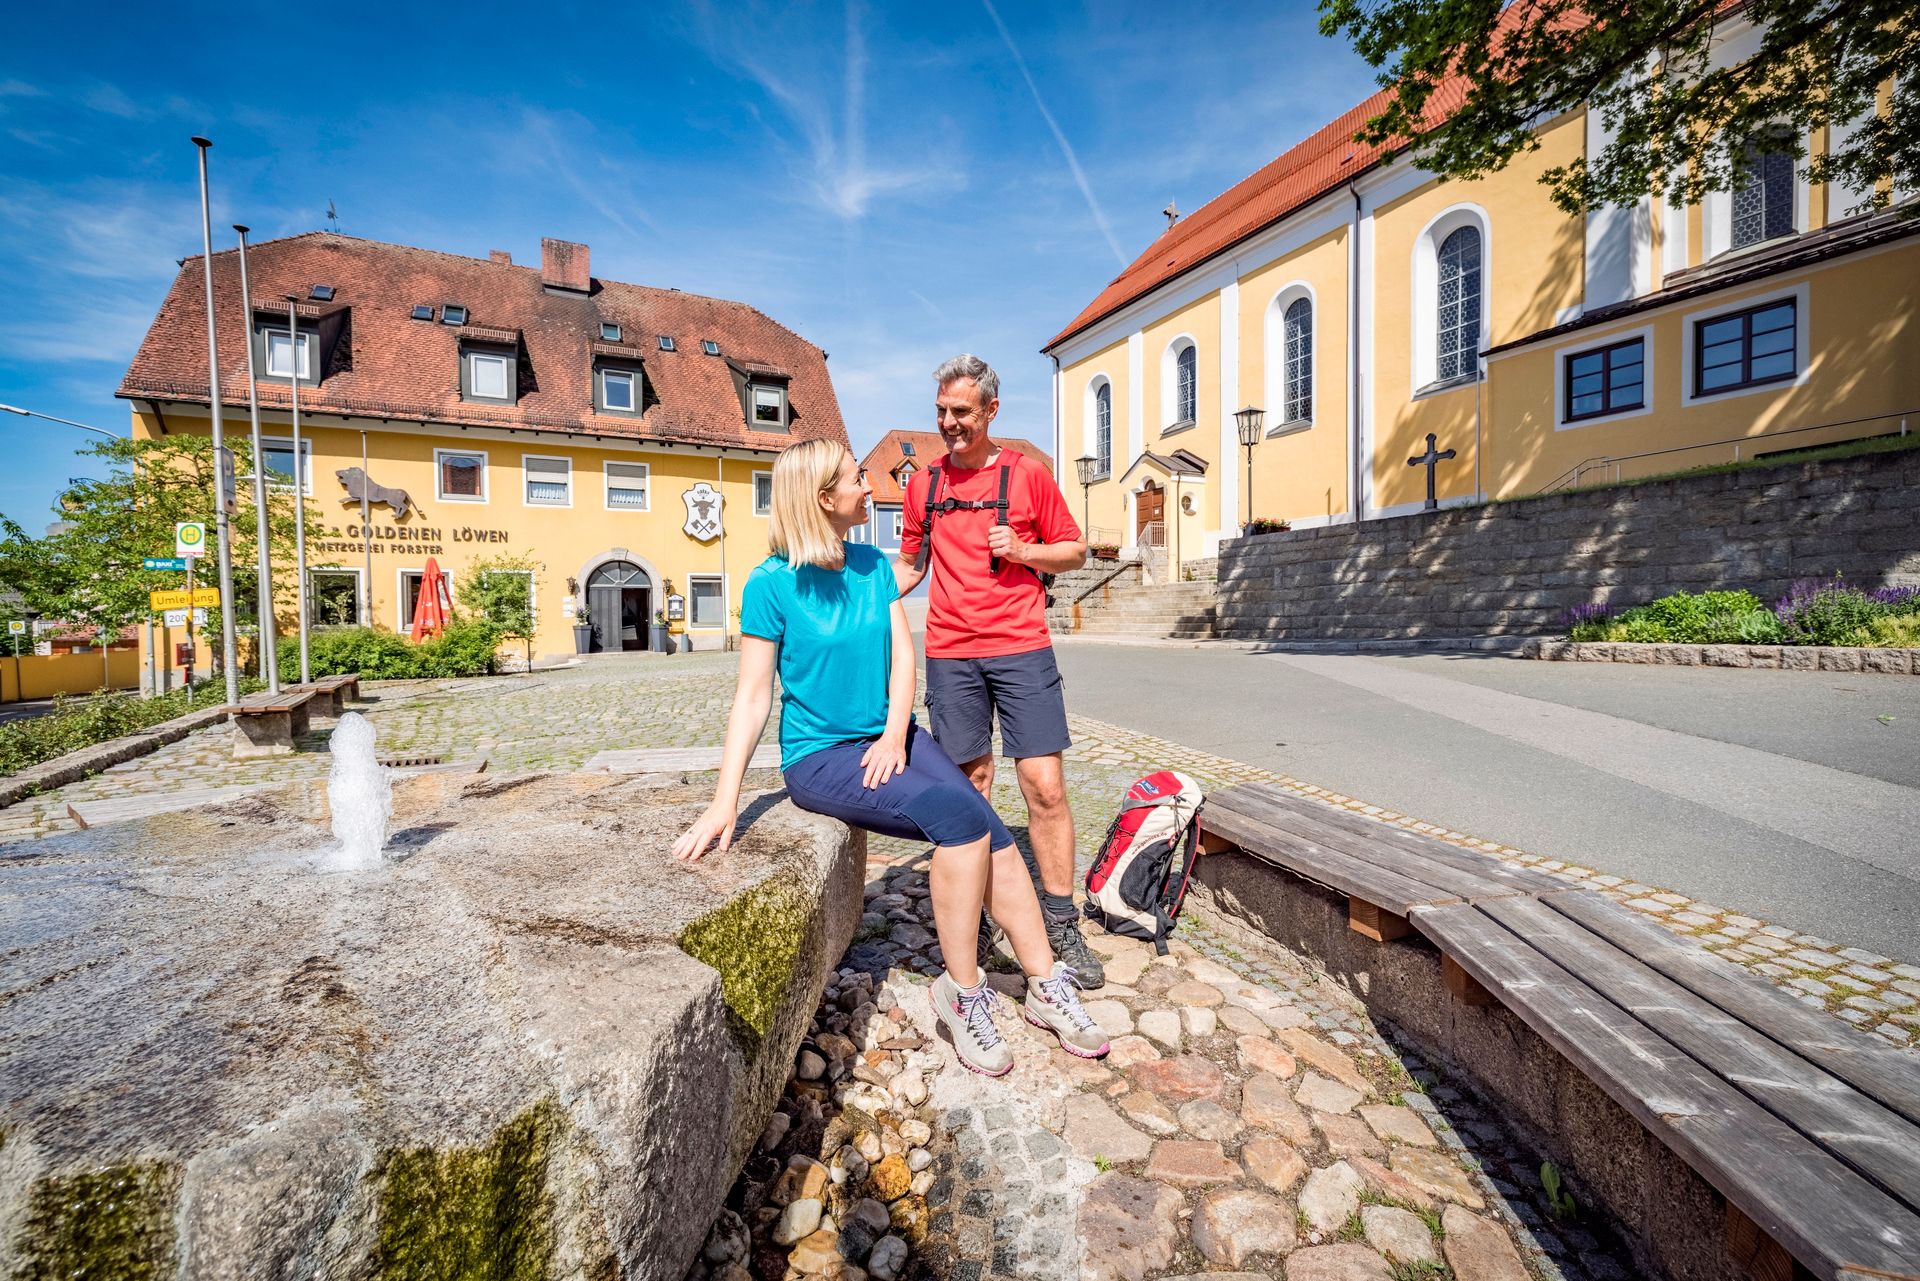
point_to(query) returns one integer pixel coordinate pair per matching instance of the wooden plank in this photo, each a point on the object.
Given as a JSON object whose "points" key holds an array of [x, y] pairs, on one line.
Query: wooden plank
{"points": [[1759, 1255], [1213, 843], [120, 809], [1797, 1194], [1498, 876], [1375, 922], [1888, 1075], [1462, 986], [1877, 1143], [1314, 861]]}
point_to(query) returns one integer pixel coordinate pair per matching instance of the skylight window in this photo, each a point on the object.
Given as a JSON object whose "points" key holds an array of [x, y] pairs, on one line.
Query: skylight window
{"points": [[906, 447], [423, 311], [452, 313], [611, 333], [666, 342], [321, 293], [711, 347]]}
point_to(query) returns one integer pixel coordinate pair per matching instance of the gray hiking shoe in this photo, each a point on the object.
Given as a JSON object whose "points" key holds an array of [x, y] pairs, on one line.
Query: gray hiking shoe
{"points": [[1070, 946], [969, 1019], [1054, 1004]]}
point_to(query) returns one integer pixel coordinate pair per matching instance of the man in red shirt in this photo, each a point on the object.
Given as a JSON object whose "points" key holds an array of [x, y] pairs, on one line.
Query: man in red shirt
{"points": [[989, 654]]}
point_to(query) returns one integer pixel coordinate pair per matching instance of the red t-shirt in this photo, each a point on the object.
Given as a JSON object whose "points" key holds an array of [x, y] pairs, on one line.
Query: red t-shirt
{"points": [[971, 611]]}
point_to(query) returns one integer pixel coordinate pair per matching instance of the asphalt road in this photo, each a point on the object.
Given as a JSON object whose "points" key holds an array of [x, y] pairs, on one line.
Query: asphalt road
{"points": [[1791, 796]]}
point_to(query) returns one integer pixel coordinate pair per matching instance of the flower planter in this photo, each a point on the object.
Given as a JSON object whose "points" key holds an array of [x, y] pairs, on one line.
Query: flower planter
{"points": [[583, 638]]}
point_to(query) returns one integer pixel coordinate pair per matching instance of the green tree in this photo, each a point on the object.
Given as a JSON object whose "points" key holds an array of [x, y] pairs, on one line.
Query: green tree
{"points": [[90, 568], [500, 590], [1682, 126]]}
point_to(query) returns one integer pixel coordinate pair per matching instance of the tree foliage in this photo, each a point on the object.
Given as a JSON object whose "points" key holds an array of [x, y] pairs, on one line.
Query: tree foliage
{"points": [[500, 590], [1682, 126]]}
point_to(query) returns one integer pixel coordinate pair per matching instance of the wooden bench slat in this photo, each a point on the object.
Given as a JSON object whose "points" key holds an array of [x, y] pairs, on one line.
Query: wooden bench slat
{"points": [[1342, 872], [1797, 1193], [1878, 1143], [1888, 1075], [1456, 872]]}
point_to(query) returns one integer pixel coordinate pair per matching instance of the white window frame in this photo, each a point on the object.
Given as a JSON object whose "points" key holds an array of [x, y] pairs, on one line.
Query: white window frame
{"points": [[1802, 350], [363, 608], [1276, 349], [633, 381], [1716, 220], [753, 404], [306, 463], [758, 510], [1170, 385], [1587, 343], [402, 623], [607, 486], [486, 468], [721, 579], [899, 523], [304, 360], [526, 480], [1426, 295], [1090, 424], [473, 380]]}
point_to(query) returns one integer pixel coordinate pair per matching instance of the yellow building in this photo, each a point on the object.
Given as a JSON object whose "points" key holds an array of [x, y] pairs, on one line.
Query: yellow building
{"points": [[619, 437], [1361, 303]]}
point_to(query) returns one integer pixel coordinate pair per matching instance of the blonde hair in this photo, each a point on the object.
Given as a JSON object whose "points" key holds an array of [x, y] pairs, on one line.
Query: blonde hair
{"points": [[800, 530]]}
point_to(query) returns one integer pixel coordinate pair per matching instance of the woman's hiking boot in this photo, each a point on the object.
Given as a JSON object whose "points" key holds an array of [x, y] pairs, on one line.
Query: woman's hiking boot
{"points": [[1054, 1004], [1070, 945], [969, 1019]]}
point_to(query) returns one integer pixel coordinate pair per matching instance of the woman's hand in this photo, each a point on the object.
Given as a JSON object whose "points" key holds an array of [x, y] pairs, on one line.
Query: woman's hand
{"points": [[884, 757], [716, 821]]}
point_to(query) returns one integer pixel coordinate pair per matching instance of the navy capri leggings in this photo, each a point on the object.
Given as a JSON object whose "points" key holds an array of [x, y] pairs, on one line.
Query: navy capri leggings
{"points": [[929, 800]]}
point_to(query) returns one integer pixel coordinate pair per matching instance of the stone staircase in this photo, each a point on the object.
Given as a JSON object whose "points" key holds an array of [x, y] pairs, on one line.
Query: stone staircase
{"points": [[1180, 611]]}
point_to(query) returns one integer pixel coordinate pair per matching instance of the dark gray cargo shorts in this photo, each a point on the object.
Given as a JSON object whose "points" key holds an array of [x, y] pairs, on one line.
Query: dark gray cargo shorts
{"points": [[1024, 691]]}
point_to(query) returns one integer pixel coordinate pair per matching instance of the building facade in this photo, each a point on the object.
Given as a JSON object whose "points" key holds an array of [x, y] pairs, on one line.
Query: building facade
{"points": [[1362, 304], [617, 439]]}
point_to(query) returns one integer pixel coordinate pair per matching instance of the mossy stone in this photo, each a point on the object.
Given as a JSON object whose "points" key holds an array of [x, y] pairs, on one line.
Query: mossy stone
{"points": [[472, 1214], [755, 943], [113, 1224]]}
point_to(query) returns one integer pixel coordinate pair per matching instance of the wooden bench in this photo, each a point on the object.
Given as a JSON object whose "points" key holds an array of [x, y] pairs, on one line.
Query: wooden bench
{"points": [[332, 694], [1809, 1129], [265, 724]]}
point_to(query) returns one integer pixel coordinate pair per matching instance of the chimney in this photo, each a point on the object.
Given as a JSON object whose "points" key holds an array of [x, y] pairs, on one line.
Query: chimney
{"points": [[563, 265], [500, 256]]}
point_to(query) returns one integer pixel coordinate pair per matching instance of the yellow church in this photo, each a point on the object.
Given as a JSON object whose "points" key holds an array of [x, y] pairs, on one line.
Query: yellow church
{"points": [[1360, 305]]}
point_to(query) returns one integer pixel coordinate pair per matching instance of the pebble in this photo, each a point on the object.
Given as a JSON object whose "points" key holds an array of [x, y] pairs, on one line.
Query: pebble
{"points": [[809, 1066], [888, 1258], [919, 1159], [910, 1088], [800, 1219]]}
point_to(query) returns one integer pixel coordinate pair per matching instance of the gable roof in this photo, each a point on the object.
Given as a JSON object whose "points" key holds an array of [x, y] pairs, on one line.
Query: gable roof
{"points": [[883, 460], [386, 364], [1181, 462]]}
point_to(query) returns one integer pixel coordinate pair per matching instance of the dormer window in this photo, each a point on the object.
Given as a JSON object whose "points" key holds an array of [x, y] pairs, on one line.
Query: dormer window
{"points": [[452, 314], [666, 342], [767, 403], [609, 333], [617, 388], [489, 376], [709, 346], [281, 358], [906, 471]]}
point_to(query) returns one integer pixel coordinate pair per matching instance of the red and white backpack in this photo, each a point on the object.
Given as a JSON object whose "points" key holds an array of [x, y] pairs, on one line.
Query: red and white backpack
{"points": [[1139, 879]]}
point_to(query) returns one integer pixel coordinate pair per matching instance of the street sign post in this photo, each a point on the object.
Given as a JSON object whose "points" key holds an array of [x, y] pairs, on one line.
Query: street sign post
{"points": [[190, 538], [164, 562], [178, 617], [179, 599]]}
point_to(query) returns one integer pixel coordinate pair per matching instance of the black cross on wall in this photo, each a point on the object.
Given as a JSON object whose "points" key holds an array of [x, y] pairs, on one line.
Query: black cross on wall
{"points": [[1428, 460]]}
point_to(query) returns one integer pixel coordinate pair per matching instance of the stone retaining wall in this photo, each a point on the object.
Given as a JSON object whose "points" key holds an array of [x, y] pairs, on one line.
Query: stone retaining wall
{"points": [[1800, 658], [1091, 580], [91, 760], [1517, 567]]}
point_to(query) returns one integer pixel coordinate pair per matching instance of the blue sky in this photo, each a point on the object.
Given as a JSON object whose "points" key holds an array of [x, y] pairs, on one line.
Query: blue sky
{"points": [[897, 183]]}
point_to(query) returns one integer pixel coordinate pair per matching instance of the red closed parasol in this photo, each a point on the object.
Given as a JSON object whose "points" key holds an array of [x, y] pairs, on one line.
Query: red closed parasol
{"points": [[434, 607]]}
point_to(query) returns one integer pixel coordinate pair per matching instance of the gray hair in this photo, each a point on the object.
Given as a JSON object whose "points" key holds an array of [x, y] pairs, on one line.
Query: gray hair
{"points": [[967, 365]]}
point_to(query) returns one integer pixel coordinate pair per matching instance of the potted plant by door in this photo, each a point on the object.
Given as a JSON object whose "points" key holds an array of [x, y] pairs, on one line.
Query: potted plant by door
{"points": [[582, 630], [659, 643]]}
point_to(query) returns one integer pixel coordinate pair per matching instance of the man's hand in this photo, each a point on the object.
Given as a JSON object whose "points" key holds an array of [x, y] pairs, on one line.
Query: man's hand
{"points": [[1004, 543]]}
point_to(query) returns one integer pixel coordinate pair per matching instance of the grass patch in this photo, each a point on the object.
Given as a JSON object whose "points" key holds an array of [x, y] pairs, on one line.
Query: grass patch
{"points": [[75, 723], [1401, 1270], [1354, 1229], [1791, 458]]}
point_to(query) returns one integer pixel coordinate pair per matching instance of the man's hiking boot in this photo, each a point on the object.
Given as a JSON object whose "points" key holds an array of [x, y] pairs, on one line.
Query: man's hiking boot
{"points": [[969, 1019], [1054, 1004], [989, 935], [1071, 947]]}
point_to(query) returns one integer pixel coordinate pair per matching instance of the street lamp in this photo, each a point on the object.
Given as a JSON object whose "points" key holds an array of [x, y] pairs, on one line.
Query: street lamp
{"points": [[30, 413], [1088, 467], [1248, 420]]}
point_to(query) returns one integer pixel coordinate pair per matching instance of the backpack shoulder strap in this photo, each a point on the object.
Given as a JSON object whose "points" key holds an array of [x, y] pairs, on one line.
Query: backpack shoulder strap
{"points": [[1000, 509], [926, 521]]}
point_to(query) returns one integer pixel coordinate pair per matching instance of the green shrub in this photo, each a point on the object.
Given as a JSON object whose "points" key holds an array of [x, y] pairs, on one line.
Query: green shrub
{"points": [[1825, 613], [465, 649], [1638, 626], [1687, 618], [1895, 631], [75, 723]]}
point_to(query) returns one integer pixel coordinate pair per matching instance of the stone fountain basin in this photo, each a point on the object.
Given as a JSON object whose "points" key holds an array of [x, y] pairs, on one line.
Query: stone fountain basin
{"points": [[531, 1045]]}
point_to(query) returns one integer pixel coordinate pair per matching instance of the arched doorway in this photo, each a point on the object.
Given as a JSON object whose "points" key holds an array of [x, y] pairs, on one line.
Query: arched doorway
{"points": [[620, 606], [1149, 513]]}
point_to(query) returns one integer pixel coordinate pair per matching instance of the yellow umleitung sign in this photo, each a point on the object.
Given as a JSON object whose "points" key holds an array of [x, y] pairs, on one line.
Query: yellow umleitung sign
{"points": [[183, 599]]}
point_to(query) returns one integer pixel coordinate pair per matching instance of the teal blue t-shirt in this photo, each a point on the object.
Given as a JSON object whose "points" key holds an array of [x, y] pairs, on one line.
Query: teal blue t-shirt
{"points": [[834, 630]]}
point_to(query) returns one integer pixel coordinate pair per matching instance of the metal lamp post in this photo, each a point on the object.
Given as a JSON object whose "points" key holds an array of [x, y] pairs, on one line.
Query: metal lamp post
{"points": [[1086, 465], [34, 413], [263, 569], [299, 485], [223, 542], [1248, 421]]}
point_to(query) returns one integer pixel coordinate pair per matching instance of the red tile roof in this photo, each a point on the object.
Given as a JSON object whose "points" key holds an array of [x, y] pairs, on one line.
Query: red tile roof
{"points": [[397, 367], [883, 460], [1303, 174]]}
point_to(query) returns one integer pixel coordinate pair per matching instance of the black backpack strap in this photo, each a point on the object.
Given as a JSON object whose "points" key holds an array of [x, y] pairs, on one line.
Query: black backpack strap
{"points": [[1162, 915], [926, 522], [1000, 511]]}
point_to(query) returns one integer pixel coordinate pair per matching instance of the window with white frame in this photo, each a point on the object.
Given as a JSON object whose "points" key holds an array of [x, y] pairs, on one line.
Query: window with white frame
{"points": [[549, 481], [1763, 203], [460, 475], [899, 524], [1457, 319], [627, 487], [763, 493], [333, 597], [410, 580], [706, 600], [1103, 428], [281, 354], [489, 376], [619, 391], [276, 455], [767, 403], [1179, 384], [1296, 379]]}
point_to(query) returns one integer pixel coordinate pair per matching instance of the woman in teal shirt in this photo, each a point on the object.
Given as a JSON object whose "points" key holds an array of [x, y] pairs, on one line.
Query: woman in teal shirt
{"points": [[826, 615]]}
